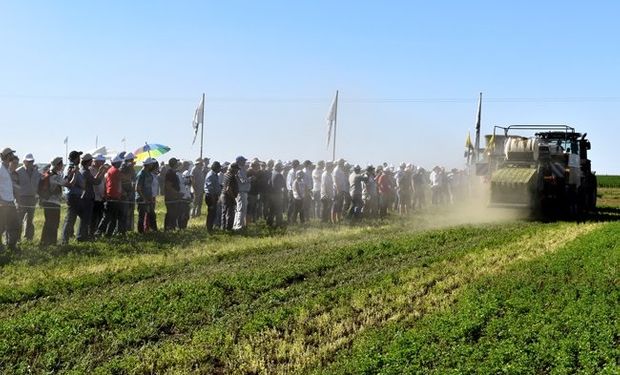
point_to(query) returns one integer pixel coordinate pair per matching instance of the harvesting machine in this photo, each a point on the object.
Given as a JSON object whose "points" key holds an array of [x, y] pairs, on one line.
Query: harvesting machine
{"points": [[548, 173]]}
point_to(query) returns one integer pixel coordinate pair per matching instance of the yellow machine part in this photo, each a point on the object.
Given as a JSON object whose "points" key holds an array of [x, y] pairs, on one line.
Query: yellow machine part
{"points": [[513, 187]]}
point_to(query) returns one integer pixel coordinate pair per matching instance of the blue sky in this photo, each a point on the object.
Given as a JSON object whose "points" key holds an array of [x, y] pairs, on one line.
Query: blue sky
{"points": [[408, 72]]}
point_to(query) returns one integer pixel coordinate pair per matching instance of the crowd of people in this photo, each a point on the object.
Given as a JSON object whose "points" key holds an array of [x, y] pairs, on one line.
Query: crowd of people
{"points": [[105, 197]]}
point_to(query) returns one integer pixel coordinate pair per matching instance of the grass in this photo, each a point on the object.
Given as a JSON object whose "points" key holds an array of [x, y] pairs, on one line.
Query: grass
{"points": [[554, 314], [386, 296]]}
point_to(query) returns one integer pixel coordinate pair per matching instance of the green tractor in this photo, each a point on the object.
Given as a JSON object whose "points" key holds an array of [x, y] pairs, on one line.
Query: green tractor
{"points": [[548, 173]]}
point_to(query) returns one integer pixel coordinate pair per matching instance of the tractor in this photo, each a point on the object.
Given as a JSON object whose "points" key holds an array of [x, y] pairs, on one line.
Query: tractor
{"points": [[548, 173]]}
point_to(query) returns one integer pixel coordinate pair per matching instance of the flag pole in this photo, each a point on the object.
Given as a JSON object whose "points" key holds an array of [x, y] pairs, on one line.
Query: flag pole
{"points": [[67, 149], [335, 125], [477, 144], [202, 125]]}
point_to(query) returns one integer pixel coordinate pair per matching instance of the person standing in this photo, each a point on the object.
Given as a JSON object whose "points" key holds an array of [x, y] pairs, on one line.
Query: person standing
{"points": [[87, 199], [277, 190], [73, 192], [212, 189], [8, 213], [244, 185], [172, 196], [113, 207], [145, 196], [317, 174], [128, 183], [299, 194], [327, 193], [230, 191], [98, 205], [28, 178], [198, 186], [340, 190], [50, 195], [185, 179]]}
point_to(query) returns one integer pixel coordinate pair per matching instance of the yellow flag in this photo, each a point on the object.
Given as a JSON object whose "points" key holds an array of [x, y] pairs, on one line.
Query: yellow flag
{"points": [[491, 145], [468, 143]]}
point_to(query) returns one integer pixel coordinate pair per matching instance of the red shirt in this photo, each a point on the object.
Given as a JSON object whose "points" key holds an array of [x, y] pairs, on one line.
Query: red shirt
{"points": [[113, 183]]}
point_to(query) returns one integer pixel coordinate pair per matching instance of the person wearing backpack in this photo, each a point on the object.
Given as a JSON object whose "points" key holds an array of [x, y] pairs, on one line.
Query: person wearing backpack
{"points": [[50, 197]]}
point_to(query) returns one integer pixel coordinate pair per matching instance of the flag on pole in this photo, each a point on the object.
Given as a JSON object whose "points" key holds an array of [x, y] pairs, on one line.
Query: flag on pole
{"points": [[478, 116], [491, 146], [198, 117], [468, 144], [66, 141], [331, 118]]}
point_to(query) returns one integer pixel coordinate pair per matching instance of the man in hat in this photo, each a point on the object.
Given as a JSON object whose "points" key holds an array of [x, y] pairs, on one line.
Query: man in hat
{"points": [[87, 199], [8, 213], [291, 175], [230, 191], [341, 188], [50, 197], [317, 174], [198, 186], [128, 183], [243, 184], [327, 193], [435, 183], [28, 178], [73, 192], [172, 196], [113, 212], [277, 191], [98, 206], [213, 189], [145, 197]]}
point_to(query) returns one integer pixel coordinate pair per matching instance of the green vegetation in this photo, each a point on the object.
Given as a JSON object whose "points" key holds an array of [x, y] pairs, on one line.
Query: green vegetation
{"points": [[394, 297], [608, 181]]}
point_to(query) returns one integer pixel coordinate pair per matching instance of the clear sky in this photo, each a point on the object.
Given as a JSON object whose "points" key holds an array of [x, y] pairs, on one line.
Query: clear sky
{"points": [[409, 73]]}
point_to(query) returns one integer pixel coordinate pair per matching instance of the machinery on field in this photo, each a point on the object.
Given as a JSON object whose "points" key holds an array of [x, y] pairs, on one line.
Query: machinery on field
{"points": [[548, 173]]}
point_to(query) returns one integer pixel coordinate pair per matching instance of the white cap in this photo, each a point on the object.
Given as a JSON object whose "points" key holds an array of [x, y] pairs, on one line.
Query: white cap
{"points": [[99, 157], [148, 161], [28, 157], [129, 156], [117, 159]]}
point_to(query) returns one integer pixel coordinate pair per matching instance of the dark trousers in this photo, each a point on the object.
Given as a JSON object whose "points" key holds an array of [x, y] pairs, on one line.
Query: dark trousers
{"points": [[228, 213], [51, 213], [171, 221], [97, 216], [9, 225], [73, 209], [86, 215], [25, 215], [211, 202], [298, 209], [275, 211], [184, 213], [112, 215], [128, 211], [147, 219]]}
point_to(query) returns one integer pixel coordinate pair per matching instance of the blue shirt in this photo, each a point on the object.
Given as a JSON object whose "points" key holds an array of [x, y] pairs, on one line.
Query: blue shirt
{"points": [[212, 184]]}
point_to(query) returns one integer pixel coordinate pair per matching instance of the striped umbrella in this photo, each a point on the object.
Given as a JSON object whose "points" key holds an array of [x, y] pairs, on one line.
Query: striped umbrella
{"points": [[154, 150]]}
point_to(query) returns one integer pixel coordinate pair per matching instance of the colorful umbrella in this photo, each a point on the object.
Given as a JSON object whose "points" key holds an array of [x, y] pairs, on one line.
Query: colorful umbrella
{"points": [[150, 150]]}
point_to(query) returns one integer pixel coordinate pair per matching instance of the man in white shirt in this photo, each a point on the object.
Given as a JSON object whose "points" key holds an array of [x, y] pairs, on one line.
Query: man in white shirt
{"points": [[317, 173], [327, 193], [8, 212], [341, 188]]}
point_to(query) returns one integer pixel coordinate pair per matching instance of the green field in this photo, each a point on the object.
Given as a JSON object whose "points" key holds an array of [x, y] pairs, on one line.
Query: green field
{"points": [[608, 181], [440, 292]]}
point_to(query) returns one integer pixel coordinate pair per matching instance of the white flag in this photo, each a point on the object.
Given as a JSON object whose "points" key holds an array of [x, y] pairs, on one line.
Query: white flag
{"points": [[331, 117], [199, 116], [66, 141]]}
